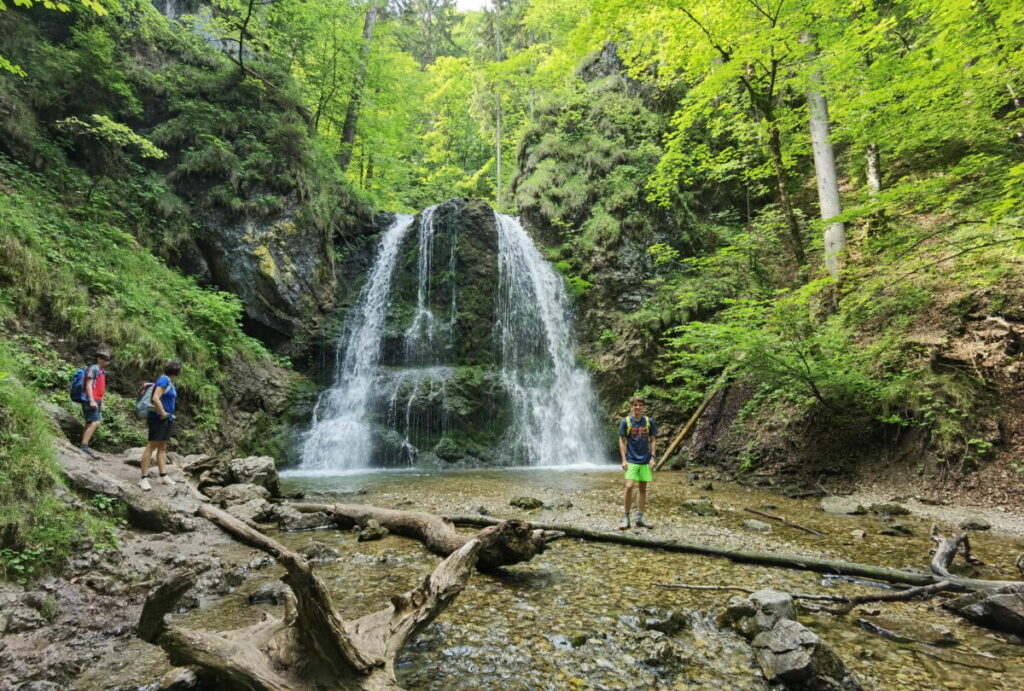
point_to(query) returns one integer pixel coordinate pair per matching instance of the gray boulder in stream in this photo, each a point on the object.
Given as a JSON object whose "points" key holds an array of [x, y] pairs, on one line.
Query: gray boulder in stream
{"points": [[787, 651], [997, 608]]}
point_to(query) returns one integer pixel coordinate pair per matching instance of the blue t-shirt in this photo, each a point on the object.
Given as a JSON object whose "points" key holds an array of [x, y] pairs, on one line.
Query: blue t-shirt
{"points": [[638, 435], [167, 398]]}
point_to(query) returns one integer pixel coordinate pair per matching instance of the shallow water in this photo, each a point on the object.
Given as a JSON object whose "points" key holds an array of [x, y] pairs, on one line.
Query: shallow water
{"points": [[580, 615]]}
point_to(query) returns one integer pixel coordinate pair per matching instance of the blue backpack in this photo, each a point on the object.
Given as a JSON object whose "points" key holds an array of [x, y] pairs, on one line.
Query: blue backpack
{"points": [[77, 392]]}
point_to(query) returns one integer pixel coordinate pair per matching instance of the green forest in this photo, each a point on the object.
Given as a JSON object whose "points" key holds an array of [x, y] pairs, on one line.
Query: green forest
{"points": [[800, 224]]}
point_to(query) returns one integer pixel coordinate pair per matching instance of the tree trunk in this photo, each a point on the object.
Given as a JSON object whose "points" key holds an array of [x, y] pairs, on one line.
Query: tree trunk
{"points": [[438, 534], [796, 244], [825, 171], [312, 647], [348, 130], [787, 561]]}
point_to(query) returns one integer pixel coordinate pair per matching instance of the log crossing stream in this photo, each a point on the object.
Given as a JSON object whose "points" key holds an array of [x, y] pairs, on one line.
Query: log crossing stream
{"points": [[588, 615]]}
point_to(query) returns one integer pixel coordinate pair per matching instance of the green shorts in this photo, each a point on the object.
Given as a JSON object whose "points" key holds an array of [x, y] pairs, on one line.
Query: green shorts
{"points": [[641, 472]]}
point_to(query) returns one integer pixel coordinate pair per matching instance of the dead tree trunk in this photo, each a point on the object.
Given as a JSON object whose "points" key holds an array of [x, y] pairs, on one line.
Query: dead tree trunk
{"points": [[520, 543], [786, 561], [313, 647]]}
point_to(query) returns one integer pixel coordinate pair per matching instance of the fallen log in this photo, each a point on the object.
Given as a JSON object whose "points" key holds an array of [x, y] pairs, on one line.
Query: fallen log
{"points": [[312, 647], [782, 560], [438, 534]]}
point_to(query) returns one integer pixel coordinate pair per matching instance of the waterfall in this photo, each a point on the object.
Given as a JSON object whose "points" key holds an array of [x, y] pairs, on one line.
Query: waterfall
{"points": [[338, 438], [412, 388], [553, 403]]}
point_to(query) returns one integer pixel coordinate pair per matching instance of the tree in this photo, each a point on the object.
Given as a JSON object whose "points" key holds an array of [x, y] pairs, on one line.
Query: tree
{"points": [[92, 5], [348, 129]]}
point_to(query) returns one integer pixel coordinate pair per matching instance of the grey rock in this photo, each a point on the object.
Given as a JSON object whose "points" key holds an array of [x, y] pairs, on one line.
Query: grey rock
{"points": [[772, 607], [842, 506], [269, 593], [791, 654], [20, 619], [700, 507], [998, 608], [859, 534], [890, 509], [253, 511], [975, 524], [757, 526], [289, 518], [737, 609], [526, 503], [255, 470], [372, 530], [669, 622], [319, 551], [69, 424], [896, 530], [238, 494]]}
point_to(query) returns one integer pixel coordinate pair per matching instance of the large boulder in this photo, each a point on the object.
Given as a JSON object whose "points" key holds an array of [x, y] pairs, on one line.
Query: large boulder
{"points": [[238, 494], [997, 608], [254, 470], [792, 654]]}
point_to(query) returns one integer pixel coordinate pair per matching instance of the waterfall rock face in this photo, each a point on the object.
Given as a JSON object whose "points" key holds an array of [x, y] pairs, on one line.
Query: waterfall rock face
{"points": [[459, 351]]}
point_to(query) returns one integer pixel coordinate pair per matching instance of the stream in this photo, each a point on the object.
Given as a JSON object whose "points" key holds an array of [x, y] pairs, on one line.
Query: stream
{"points": [[591, 615]]}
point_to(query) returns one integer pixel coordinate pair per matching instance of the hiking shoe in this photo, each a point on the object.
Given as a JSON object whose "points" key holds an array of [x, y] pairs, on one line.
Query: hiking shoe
{"points": [[84, 448], [641, 523], [624, 525], [166, 479], [144, 484]]}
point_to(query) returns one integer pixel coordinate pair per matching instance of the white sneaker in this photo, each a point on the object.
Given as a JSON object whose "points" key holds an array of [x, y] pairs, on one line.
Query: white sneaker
{"points": [[166, 479], [144, 484]]}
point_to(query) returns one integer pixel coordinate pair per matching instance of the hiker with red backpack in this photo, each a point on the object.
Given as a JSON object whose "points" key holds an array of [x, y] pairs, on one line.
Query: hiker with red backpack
{"points": [[160, 400], [88, 385]]}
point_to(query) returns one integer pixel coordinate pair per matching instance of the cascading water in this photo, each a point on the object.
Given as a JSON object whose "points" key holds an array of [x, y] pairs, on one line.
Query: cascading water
{"points": [[338, 439], [552, 400], [495, 382]]}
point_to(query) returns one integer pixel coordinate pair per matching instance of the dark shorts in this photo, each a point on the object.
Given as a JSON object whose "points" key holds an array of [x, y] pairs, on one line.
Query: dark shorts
{"points": [[160, 430], [92, 414]]}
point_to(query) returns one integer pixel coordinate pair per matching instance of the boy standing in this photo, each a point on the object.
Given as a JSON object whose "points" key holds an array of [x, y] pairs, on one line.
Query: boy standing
{"points": [[637, 439], [92, 398]]}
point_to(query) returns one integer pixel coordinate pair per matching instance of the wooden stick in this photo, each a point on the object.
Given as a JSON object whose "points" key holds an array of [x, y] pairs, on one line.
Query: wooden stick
{"points": [[782, 520]]}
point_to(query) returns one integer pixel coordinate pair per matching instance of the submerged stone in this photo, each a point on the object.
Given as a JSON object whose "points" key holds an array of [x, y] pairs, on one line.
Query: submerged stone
{"points": [[526, 503], [890, 509], [842, 506], [700, 507], [998, 608], [975, 523]]}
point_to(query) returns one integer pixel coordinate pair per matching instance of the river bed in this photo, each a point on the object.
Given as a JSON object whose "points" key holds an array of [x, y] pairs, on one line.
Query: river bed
{"points": [[587, 615]]}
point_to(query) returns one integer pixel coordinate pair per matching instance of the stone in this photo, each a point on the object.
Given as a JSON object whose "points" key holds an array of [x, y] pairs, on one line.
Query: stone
{"points": [[252, 512], [890, 509], [269, 593], [700, 507], [772, 607], [757, 526], [21, 619], [69, 424], [526, 503], [737, 609], [289, 518], [791, 654], [896, 530], [975, 524], [255, 470], [372, 530], [709, 487], [319, 551], [859, 534], [842, 506], [996, 608], [238, 494], [669, 622]]}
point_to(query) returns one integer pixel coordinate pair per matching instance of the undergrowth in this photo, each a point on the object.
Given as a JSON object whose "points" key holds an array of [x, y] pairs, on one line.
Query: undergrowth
{"points": [[41, 521]]}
